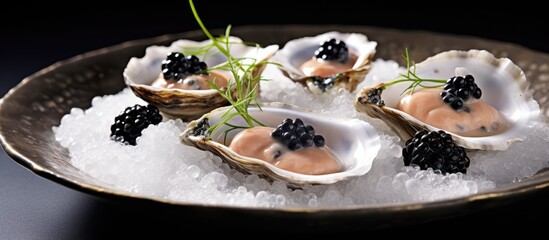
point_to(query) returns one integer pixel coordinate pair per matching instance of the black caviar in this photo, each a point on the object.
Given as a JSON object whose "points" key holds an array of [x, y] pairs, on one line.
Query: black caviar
{"points": [[176, 66], [333, 50], [436, 150], [296, 135], [458, 89], [129, 124]]}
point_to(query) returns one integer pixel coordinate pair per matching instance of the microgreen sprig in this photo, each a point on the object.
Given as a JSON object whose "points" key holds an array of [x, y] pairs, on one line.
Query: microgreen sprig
{"points": [[411, 76], [244, 80]]}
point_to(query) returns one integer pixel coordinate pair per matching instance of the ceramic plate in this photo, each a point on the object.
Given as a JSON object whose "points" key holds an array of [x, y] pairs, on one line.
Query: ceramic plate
{"points": [[28, 112]]}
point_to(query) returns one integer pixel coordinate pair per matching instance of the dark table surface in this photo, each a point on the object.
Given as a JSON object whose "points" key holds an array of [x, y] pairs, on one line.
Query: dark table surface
{"points": [[35, 208]]}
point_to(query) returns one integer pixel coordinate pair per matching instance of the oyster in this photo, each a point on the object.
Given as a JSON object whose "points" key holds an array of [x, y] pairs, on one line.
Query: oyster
{"points": [[140, 73], [298, 51], [355, 143], [504, 85]]}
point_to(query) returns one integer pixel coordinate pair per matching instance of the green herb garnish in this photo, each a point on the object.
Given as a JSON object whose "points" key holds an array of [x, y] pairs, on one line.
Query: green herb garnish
{"points": [[373, 94], [245, 82], [411, 76]]}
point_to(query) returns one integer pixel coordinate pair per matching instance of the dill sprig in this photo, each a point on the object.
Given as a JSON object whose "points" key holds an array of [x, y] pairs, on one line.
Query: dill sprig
{"points": [[243, 80], [205, 51], [411, 76]]}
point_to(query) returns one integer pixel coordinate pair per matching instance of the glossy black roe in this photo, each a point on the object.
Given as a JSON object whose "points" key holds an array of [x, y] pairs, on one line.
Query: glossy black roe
{"points": [[459, 89], [176, 66], [296, 135], [201, 128], [436, 150], [129, 124], [374, 96], [333, 50], [324, 84]]}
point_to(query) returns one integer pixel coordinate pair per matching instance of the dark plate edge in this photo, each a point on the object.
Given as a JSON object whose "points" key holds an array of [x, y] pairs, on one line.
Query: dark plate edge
{"points": [[530, 186]]}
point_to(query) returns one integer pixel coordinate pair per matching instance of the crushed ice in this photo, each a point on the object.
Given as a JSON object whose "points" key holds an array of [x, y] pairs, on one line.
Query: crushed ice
{"points": [[160, 166]]}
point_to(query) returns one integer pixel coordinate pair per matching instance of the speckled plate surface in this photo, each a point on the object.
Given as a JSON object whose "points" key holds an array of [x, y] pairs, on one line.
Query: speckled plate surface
{"points": [[28, 112]]}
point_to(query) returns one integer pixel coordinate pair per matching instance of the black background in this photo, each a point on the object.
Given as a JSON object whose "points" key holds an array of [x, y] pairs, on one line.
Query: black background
{"points": [[39, 34]]}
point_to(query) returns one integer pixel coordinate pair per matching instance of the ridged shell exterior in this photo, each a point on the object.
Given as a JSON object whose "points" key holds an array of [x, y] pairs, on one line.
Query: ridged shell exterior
{"points": [[355, 142], [185, 104], [504, 86]]}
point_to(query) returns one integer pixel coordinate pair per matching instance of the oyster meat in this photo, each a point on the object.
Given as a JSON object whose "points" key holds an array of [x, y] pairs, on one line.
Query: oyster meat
{"points": [[297, 61], [354, 142], [504, 89], [141, 73]]}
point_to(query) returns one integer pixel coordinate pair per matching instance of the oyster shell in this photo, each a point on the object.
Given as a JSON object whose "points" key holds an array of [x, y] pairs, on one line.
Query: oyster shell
{"points": [[298, 51], [504, 86], [187, 104], [355, 142]]}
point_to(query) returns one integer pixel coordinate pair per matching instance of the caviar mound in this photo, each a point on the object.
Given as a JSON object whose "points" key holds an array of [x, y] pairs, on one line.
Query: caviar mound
{"points": [[436, 150], [459, 89], [130, 123], [333, 50], [176, 66], [296, 135]]}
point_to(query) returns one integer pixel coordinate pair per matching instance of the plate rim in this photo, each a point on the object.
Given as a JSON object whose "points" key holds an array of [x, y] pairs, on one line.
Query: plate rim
{"points": [[531, 185]]}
